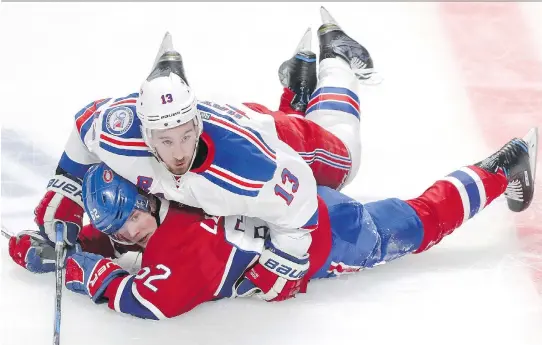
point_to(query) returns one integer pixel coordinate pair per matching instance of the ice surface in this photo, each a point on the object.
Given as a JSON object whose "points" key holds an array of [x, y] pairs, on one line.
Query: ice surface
{"points": [[473, 288]]}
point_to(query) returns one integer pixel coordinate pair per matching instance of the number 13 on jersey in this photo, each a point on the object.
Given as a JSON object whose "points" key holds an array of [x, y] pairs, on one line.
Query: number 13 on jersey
{"points": [[290, 185]]}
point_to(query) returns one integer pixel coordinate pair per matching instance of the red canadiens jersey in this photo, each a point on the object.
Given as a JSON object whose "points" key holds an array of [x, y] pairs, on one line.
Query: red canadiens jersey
{"points": [[193, 258]]}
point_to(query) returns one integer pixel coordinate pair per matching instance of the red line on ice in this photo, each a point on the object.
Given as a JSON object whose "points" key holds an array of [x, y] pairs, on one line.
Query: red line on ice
{"points": [[502, 74]]}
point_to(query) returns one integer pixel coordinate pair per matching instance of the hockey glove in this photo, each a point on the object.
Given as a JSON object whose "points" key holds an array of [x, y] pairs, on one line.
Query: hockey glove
{"points": [[35, 253], [62, 203], [90, 274], [276, 277]]}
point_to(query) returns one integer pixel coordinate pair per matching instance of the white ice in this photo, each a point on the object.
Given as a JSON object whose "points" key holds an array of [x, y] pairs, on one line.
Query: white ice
{"points": [[417, 126]]}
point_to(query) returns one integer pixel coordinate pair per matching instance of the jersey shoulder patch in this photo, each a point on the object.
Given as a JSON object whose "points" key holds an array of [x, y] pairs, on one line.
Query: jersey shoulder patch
{"points": [[121, 128], [86, 116], [243, 162]]}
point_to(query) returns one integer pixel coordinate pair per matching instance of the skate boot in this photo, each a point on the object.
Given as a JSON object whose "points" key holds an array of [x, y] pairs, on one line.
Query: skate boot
{"points": [[335, 43], [299, 73], [517, 159]]}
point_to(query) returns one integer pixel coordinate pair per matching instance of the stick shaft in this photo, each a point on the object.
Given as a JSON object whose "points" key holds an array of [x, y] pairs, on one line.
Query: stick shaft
{"points": [[59, 263], [7, 234]]}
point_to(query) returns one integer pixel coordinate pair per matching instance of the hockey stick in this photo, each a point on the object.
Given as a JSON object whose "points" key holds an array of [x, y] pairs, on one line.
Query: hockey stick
{"points": [[7, 234], [60, 250]]}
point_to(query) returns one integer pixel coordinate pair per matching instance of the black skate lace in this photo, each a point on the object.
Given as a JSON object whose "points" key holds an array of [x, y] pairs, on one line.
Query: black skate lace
{"points": [[506, 155]]}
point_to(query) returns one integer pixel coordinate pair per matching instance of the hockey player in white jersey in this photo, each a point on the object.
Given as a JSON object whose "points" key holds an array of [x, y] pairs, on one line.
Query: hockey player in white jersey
{"points": [[225, 159]]}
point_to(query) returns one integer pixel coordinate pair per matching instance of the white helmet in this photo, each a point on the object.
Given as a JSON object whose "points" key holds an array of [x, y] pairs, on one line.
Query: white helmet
{"points": [[166, 101], [165, 98]]}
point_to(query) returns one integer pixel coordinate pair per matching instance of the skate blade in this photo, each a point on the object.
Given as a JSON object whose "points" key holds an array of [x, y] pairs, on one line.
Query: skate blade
{"points": [[305, 44], [374, 79], [165, 46], [532, 142], [326, 17]]}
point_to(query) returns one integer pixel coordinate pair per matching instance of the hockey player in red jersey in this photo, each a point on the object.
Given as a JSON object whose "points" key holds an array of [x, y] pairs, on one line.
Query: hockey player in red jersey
{"points": [[190, 257], [226, 159]]}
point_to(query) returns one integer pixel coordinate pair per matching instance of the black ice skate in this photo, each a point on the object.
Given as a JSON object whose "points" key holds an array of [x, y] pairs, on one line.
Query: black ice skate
{"points": [[335, 43], [517, 159], [299, 73]]}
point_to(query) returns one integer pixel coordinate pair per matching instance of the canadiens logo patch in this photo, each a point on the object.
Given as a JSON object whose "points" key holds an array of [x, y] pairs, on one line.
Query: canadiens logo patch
{"points": [[119, 120], [108, 176]]}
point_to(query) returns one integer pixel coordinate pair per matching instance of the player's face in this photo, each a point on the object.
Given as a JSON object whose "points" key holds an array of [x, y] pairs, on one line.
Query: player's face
{"points": [[176, 146], [138, 229]]}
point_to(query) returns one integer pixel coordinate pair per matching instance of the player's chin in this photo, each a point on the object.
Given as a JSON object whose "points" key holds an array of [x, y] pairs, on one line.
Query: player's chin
{"points": [[178, 170], [143, 242]]}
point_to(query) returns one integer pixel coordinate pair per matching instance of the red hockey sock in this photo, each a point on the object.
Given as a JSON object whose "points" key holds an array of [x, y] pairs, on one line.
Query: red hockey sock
{"points": [[449, 202]]}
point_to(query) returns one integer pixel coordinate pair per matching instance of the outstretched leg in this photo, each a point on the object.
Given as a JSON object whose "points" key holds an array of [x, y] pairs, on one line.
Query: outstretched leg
{"points": [[450, 202], [367, 235]]}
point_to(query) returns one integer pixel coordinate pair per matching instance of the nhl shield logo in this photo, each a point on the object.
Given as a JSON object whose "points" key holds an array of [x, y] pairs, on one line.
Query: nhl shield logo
{"points": [[108, 176], [119, 120]]}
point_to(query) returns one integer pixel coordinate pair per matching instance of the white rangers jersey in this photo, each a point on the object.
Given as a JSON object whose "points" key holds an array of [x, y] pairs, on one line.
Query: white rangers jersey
{"points": [[248, 170]]}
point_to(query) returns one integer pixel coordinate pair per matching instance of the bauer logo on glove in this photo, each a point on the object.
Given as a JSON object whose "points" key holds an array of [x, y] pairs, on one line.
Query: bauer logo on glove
{"points": [[284, 270], [66, 186], [103, 268]]}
